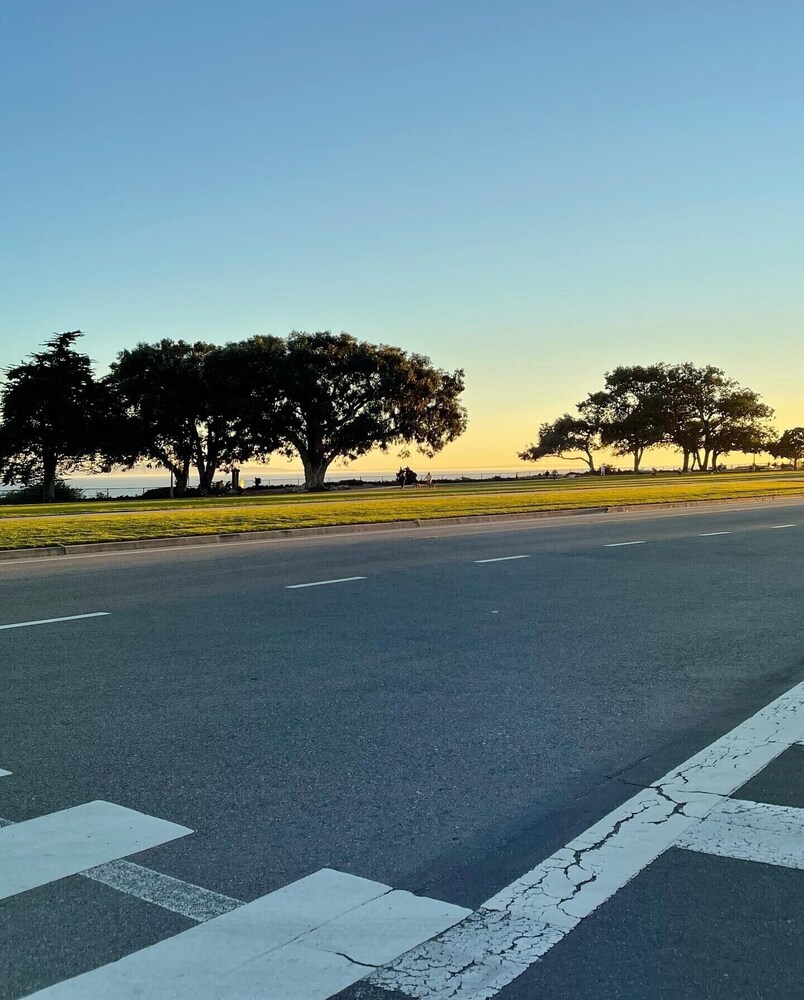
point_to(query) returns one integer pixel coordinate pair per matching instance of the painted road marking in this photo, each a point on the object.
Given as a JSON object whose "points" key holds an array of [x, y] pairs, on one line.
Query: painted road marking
{"points": [[711, 534], [751, 831], [501, 559], [479, 956], [617, 545], [43, 850], [324, 583], [4, 773], [298, 941], [191, 901], [49, 621], [773, 526]]}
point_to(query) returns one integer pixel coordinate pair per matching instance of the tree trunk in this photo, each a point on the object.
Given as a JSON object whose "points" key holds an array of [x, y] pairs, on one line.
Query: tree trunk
{"points": [[590, 462], [705, 463], [181, 475], [686, 466], [637, 458], [315, 469], [49, 479], [206, 464], [206, 477]]}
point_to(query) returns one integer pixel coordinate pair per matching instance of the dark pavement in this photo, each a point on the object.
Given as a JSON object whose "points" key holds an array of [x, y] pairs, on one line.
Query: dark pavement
{"points": [[440, 726]]}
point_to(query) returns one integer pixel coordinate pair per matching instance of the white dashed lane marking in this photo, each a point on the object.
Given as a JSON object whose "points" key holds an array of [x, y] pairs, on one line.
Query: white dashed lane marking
{"points": [[774, 526], [617, 545], [50, 621], [324, 583], [501, 559], [711, 534]]}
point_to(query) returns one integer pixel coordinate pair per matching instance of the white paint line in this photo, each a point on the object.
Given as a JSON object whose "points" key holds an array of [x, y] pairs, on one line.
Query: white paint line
{"points": [[617, 545], [191, 901], [711, 534], [501, 559], [774, 526], [750, 831], [4, 773], [385, 928], [49, 621], [478, 957], [64, 843], [324, 583], [295, 942]]}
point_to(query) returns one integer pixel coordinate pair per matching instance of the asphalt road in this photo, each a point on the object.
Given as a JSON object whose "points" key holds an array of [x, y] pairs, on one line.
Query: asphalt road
{"points": [[440, 724]]}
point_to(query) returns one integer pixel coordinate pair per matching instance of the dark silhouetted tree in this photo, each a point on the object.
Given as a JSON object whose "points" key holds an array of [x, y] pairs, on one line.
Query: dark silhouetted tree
{"points": [[55, 416], [790, 446], [569, 438], [629, 410], [323, 396], [182, 408]]}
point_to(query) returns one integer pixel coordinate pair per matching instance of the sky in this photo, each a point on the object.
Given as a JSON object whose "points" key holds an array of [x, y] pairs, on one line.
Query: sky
{"points": [[534, 192]]}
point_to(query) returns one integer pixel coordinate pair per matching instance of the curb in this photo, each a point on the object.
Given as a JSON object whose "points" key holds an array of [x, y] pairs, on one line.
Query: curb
{"points": [[84, 548]]}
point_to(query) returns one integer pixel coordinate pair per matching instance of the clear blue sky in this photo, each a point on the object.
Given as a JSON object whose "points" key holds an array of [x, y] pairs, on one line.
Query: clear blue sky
{"points": [[535, 191]]}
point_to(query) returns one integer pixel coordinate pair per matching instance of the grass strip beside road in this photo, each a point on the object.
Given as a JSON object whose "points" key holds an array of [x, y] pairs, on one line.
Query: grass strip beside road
{"points": [[390, 505]]}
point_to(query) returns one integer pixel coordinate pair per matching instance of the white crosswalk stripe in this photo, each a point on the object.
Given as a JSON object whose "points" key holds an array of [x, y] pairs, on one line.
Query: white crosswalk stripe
{"points": [[65, 843], [750, 831], [308, 941]]}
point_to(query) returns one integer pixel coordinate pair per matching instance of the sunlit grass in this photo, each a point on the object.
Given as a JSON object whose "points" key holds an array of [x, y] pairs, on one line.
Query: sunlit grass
{"points": [[70, 524]]}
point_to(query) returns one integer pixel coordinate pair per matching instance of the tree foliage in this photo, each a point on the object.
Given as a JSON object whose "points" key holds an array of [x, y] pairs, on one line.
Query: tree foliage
{"points": [[698, 410], [325, 396], [181, 408], [55, 416], [629, 410], [569, 438], [790, 445]]}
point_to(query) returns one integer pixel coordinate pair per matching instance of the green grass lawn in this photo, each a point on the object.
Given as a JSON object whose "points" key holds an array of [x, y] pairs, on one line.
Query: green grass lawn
{"points": [[35, 526]]}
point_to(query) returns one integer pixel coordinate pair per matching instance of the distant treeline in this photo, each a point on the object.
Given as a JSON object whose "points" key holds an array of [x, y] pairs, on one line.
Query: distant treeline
{"points": [[182, 406], [699, 411]]}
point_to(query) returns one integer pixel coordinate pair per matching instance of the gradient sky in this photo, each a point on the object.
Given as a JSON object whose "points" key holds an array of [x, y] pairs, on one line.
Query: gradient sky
{"points": [[533, 191]]}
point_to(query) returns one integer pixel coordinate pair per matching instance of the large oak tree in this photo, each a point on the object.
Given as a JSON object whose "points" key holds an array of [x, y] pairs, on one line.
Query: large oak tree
{"points": [[325, 396]]}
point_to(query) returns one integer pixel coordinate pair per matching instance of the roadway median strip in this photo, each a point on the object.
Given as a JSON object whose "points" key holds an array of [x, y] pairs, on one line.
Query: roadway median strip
{"points": [[58, 530], [50, 621], [324, 583]]}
